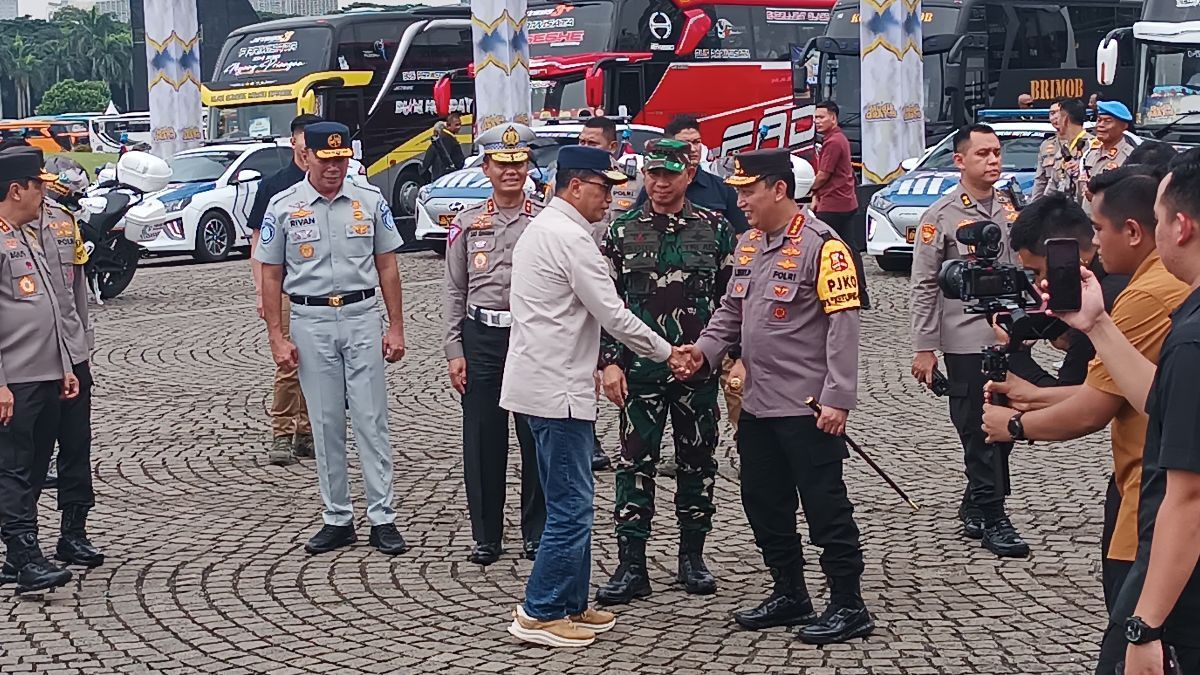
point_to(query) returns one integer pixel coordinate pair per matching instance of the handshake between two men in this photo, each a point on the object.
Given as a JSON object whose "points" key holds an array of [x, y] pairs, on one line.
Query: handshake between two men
{"points": [[688, 360]]}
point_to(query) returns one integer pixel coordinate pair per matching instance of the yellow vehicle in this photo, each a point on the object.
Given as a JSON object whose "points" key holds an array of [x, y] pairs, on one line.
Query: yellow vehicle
{"points": [[373, 71], [47, 135]]}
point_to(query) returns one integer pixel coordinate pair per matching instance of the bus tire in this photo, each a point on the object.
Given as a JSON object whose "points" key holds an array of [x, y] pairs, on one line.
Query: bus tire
{"points": [[404, 193]]}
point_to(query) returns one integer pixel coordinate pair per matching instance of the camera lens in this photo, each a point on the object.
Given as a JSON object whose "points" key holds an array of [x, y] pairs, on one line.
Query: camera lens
{"points": [[950, 279]]}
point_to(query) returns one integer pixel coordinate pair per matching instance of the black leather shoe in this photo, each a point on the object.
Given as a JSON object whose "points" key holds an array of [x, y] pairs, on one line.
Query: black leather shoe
{"points": [[788, 604], [972, 526], [600, 461], [1001, 538], [51, 480], [530, 549], [388, 539], [41, 575], [630, 580], [8, 574], [73, 545], [330, 538], [838, 624], [485, 554], [693, 573]]}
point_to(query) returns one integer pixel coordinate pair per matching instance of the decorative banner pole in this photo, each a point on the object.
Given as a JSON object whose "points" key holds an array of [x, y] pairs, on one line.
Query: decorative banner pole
{"points": [[893, 91], [173, 74], [501, 63]]}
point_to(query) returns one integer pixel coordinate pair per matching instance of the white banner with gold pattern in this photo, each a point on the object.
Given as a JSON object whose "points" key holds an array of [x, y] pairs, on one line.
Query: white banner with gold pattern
{"points": [[501, 63], [173, 71], [893, 92]]}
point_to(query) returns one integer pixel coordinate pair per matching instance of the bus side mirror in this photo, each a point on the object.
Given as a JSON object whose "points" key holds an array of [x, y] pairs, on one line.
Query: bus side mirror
{"points": [[441, 96], [1106, 61], [593, 87], [696, 24]]}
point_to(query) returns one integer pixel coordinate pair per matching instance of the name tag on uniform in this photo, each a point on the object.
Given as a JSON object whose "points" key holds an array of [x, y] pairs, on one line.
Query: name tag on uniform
{"points": [[298, 235], [360, 230]]}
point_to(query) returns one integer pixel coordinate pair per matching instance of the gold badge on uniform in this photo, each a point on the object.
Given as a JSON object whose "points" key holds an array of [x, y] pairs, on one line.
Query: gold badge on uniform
{"points": [[749, 249], [791, 251], [780, 313], [1110, 166], [787, 264], [356, 205], [482, 222], [361, 229], [966, 201], [744, 260], [927, 232], [755, 235], [27, 285], [359, 215], [964, 223], [781, 291], [335, 141], [12, 244], [302, 213], [307, 250], [480, 260], [5, 228]]}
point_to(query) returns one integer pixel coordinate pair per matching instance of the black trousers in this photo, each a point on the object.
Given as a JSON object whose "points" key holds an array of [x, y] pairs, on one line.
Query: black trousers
{"points": [[485, 441], [786, 457], [25, 447], [987, 463], [1112, 652], [843, 224], [1112, 572], [75, 445]]}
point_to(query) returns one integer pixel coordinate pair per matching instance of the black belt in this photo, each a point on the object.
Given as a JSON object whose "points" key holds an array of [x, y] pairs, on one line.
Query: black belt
{"points": [[333, 300]]}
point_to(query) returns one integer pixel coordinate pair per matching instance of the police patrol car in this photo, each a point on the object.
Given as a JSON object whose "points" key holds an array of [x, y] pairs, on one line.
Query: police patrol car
{"points": [[894, 213], [209, 198], [439, 201]]}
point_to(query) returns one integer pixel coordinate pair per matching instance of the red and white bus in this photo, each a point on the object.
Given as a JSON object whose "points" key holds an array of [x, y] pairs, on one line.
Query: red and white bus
{"points": [[726, 61]]}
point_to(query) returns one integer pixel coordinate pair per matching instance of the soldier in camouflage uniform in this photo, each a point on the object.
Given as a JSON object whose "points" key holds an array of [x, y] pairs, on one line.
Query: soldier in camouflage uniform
{"points": [[671, 261]]}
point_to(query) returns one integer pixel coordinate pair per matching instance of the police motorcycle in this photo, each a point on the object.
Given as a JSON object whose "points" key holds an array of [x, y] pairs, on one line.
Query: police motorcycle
{"points": [[120, 198]]}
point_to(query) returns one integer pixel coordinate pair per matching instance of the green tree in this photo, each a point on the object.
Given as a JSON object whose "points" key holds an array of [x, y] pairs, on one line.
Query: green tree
{"points": [[25, 69], [71, 96]]}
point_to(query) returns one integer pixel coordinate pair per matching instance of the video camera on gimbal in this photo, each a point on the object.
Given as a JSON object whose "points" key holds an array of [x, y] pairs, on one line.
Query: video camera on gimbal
{"points": [[1004, 292]]}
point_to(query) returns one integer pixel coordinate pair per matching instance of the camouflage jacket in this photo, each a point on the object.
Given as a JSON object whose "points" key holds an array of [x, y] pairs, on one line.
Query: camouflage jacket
{"points": [[671, 271]]}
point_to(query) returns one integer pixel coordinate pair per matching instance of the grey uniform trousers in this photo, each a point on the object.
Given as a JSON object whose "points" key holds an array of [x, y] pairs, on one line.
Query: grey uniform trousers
{"points": [[341, 363]]}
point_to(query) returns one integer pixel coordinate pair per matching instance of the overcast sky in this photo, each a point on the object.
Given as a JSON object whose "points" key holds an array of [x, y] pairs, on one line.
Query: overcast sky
{"points": [[38, 8]]}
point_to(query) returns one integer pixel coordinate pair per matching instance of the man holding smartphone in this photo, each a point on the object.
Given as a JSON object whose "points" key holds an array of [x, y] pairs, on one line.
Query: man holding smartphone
{"points": [[1123, 217]]}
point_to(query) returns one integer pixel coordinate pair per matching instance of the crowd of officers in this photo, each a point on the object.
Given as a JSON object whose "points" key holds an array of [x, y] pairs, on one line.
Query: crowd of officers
{"points": [[45, 376], [1107, 194]]}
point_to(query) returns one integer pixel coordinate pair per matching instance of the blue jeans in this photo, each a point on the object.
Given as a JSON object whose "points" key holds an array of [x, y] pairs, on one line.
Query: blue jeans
{"points": [[560, 582]]}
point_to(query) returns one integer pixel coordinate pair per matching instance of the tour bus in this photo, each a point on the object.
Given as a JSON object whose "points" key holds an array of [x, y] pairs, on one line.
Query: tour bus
{"points": [[984, 54], [1166, 45], [725, 61], [336, 66], [105, 132]]}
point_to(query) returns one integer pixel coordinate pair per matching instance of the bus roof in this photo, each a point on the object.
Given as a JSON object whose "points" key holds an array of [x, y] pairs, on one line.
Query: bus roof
{"points": [[355, 17]]}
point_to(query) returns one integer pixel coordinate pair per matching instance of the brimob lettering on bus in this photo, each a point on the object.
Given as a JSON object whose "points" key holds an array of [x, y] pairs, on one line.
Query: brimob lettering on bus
{"points": [[880, 111], [1067, 87]]}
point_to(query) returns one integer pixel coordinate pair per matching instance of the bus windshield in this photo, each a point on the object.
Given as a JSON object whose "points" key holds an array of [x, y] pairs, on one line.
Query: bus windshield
{"points": [[1171, 88], [275, 57], [557, 97], [569, 28], [267, 120]]}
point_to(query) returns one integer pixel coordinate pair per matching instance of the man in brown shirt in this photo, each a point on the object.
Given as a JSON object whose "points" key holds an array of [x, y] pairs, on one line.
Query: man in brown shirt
{"points": [[834, 199], [1123, 215]]}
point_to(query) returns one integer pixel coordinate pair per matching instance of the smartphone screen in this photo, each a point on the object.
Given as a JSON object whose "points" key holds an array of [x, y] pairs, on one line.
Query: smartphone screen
{"points": [[1062, 273]]}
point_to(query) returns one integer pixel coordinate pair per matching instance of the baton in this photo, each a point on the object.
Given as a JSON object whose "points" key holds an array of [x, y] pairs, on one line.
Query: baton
{"points": [[812, 403]]}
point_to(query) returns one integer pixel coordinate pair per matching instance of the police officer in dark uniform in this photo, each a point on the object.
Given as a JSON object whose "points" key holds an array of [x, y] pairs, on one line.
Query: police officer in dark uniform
{"points": [[478, 273], [36, 365], [793, 305]]}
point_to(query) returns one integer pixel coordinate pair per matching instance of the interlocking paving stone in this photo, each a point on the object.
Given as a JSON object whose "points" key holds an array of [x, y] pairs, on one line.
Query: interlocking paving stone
{"points": [[206, 571]]}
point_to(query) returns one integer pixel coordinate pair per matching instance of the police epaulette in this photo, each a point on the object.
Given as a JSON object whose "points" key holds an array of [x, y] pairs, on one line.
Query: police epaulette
{"points": [[826, 235]]}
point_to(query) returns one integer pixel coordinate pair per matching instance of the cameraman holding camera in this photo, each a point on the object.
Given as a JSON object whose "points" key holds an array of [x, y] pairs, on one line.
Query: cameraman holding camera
{"points": [[1123, 217], [939, 323], [1158, 609]]}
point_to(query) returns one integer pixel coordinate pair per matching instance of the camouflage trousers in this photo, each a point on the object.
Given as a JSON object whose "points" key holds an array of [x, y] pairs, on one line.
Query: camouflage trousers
{"points": [[694, 416]]}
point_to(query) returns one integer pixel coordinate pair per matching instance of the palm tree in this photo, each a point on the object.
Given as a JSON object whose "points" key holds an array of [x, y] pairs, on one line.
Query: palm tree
{"points": [[25, 68]]}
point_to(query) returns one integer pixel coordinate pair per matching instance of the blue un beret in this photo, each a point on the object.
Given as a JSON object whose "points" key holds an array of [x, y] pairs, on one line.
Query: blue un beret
{"points": [[1115, 109]]}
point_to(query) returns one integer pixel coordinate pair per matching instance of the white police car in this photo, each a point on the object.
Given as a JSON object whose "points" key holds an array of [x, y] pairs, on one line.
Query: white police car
{"points": [[439, 201], [209, 198]]}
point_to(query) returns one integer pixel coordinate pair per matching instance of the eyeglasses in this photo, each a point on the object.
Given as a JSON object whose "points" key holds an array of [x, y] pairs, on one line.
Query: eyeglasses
{"points": [[608, 187]]}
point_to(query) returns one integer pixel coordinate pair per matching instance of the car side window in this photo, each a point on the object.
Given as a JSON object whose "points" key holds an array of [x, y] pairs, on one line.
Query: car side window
{"points": [[264, 161]]}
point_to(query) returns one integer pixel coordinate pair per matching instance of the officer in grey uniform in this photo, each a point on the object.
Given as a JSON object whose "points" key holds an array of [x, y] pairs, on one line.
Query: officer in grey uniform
{"points": [[1109, 149], [793, 306], [939, 324], [37, 354], [1047, 164], [336, 240], [478, 272], [1059, 158]]}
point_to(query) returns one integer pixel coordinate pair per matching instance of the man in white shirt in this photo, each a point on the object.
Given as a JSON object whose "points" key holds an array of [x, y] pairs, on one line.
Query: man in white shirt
{"points": [[561, 296]]}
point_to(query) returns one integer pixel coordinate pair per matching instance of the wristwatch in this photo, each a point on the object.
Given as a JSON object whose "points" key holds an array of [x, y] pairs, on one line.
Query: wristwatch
{"points": [[1138, 633], [1015, 428]]}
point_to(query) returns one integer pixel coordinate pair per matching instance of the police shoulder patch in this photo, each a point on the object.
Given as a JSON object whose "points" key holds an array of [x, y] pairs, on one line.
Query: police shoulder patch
{"points": [[266, 233], [928, 231], [837, 278]]}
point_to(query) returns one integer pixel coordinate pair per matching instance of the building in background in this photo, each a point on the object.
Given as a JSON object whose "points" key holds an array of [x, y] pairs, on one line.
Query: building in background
{"points": [[8, 9], [119, 9], [295, 7]]}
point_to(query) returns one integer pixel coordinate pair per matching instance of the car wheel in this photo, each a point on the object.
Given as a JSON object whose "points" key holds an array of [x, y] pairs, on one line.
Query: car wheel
{"points": [[214, 237], [404, 194], [894, 263]]}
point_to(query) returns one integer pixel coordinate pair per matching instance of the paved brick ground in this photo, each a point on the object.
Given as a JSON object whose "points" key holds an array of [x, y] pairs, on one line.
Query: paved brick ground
{"points": [[206, 570]]}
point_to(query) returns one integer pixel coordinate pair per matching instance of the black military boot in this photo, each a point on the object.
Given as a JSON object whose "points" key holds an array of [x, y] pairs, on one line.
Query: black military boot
{"points": [[844, 619], [73, 545], [34, 572], [788, 604], [693, 573], [600, 461], [1001, 538], [971, 517], [8, 574], [631, 580]]}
